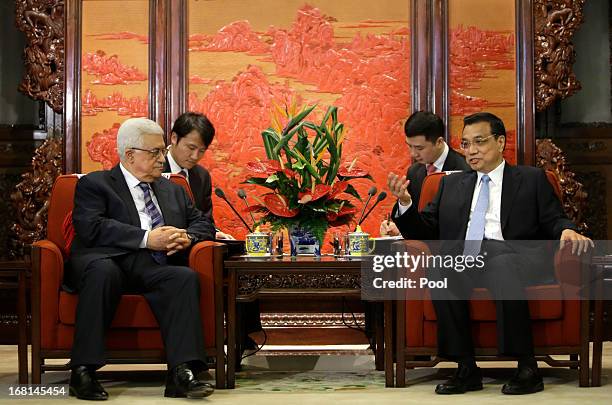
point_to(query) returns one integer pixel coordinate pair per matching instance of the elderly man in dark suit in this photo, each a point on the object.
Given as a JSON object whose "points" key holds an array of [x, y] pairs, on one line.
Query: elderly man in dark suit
{"points": [[133, 229], [491, 203], [430, 154]]}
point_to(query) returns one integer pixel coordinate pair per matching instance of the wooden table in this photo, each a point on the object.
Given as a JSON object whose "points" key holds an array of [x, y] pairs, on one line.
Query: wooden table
{"points": [[602, 270], [13, 275], [300, 278]]}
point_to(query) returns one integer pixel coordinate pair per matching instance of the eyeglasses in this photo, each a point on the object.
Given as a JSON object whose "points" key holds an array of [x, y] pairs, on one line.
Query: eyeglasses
{"points": [[154, 152], [478, 142]]}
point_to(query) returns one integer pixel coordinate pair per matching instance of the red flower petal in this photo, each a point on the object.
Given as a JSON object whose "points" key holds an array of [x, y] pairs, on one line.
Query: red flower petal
{"points": [[277, 204], [354, 172], [320, 190]]}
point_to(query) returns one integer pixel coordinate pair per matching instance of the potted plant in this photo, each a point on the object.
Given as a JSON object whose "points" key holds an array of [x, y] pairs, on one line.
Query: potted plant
{"points": [[307, 180]]}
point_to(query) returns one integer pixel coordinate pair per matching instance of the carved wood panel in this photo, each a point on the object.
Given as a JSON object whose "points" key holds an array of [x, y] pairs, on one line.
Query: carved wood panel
{"points": [[550, 157], [556, 21], [31, 197], [42, 22]]}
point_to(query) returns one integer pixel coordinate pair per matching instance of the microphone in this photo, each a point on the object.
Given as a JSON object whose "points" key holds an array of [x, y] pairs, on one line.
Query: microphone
{"points": [[221, 194], [381, 197], [371, 193], [242, 194]]}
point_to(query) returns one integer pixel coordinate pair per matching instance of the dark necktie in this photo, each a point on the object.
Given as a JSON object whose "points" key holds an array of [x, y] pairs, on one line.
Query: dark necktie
{"points": [[156, 219], [183, 173]]}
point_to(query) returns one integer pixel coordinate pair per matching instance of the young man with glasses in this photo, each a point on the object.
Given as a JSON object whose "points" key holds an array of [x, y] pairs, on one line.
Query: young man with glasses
{"points": [[492, 203], [429, 153]]}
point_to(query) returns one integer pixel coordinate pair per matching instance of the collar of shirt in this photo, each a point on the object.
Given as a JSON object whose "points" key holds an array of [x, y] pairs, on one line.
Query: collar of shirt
{"points": [[496, 175], [130, 179], [439, 163], [174, 167]]}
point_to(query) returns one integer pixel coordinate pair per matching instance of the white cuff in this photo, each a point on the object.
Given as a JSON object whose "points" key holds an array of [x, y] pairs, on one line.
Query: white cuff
{"points": [[402, 208], [143, 242]]}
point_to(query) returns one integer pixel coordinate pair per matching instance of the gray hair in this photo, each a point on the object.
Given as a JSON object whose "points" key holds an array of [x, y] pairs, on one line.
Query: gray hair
{"points": [[131, 132]]}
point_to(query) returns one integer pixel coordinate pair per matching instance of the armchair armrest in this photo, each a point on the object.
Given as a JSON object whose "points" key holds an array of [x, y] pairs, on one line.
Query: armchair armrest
{"points": [[47, 276], [206, 259]]}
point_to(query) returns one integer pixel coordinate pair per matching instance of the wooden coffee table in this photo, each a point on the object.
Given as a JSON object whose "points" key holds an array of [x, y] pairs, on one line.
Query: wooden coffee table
{"points": [[304, 277]]}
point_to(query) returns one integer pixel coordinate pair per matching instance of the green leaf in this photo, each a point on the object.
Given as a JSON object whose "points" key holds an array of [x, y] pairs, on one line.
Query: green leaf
{"points": [[272, 178], [259, 182], [352, 191]]}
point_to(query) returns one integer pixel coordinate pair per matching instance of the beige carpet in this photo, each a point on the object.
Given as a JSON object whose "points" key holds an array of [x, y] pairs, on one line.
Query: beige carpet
{"points": [[326, 379]]}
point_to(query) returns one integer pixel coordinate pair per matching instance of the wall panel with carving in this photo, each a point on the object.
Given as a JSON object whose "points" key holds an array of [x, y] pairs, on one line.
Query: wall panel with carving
{"points": [[246, 59], [482, 65]]}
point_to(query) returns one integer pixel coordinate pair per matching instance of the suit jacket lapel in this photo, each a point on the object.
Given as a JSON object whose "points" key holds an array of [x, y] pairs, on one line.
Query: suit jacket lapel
{"points": [[468, 183], [195, 182], [510, 186], [121, 188]]}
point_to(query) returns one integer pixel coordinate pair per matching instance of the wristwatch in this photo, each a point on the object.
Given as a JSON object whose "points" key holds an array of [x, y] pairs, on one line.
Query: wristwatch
{"points": [[192, 238]]}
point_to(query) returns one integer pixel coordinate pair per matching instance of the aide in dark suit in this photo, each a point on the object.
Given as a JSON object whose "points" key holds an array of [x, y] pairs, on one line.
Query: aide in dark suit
{"points": [[133, 229], [192, 134], [429, 153], [495, 202]]}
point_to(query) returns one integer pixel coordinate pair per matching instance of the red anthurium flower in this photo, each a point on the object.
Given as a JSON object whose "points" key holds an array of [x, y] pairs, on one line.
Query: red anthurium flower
{"points": [[347, 211], [320, 190], [337, 188], [348, 171], [344, 211], [277, 204], [266, 167], [290, 173], [255, 208]]}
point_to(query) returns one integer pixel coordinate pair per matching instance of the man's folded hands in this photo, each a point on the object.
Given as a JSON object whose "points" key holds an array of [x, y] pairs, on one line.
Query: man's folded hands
{"points": [[169, 239]]}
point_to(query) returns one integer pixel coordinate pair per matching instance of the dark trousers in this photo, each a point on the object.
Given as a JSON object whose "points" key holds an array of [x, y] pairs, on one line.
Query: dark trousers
{"points": [[173, 293], [505, 277]]}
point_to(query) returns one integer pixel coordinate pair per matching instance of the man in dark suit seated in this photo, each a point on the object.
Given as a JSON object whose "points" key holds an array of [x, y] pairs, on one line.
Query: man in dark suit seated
{"points": [[430, 154], [192, 134], [133, 230], [491, 203]]}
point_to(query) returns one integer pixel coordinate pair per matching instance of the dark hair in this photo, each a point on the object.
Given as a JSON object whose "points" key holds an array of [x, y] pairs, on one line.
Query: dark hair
{"points": [[190, 121], [496, 124], [424, 123]]}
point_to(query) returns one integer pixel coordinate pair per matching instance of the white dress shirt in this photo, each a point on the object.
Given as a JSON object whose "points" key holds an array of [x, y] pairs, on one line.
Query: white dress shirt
{"points": [[174, 167], [138, 197], [493, 215], [439, 163]]}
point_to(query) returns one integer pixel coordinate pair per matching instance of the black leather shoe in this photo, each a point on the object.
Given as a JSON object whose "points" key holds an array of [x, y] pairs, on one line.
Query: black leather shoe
{"points": [[182, 383], [527, 380], [465, 379], [85, 385]]}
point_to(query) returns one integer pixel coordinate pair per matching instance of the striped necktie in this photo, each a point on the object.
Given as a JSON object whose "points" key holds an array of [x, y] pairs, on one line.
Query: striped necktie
{"points": [[156, 219], [475, 234]]}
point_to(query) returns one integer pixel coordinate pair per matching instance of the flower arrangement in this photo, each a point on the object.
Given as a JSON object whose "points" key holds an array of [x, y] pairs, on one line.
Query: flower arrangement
{"points": [[307, 180]]}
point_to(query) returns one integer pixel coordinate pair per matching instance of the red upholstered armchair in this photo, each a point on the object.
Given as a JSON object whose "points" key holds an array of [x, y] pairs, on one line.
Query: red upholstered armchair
{"points": [[134, 336], [560, 326]]}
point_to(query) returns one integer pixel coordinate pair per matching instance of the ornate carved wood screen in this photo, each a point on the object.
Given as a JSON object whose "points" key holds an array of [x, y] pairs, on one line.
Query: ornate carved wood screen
{"points": [[236, 60]]}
